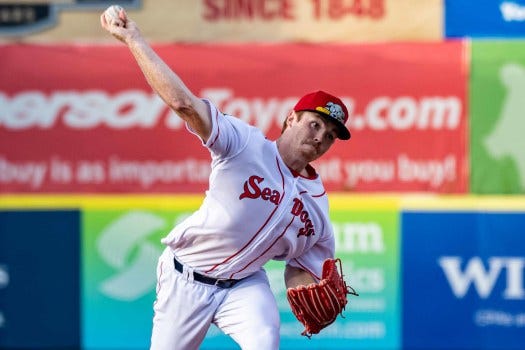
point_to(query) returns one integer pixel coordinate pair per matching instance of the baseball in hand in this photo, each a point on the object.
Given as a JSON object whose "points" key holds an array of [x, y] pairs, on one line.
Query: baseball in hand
{"points": [[112, 14]]}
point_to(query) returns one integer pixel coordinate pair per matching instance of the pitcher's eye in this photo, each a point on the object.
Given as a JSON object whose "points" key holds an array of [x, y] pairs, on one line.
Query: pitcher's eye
{"points": [[314, 125]]}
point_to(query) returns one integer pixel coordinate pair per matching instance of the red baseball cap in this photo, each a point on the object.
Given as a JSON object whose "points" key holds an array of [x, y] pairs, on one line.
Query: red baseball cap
{"points": [[328, 106]]}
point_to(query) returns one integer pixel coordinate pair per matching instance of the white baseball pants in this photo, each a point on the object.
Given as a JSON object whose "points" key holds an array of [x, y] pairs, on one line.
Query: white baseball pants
{"points": [[185, 309]]}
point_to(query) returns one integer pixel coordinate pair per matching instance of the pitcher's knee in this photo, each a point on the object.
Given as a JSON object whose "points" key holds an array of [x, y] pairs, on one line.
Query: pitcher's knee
{"points": [[264, 338]]}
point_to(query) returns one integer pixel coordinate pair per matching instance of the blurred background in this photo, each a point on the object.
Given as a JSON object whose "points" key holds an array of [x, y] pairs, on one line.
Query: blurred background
{"points": [[427, 198]]}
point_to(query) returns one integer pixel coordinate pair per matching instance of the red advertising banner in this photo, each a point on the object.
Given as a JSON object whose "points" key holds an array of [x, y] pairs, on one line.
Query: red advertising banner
{"points": [[82, 119]]}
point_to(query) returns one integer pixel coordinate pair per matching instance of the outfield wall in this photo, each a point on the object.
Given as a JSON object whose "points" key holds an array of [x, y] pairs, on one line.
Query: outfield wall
{"points": [[81, 270]]}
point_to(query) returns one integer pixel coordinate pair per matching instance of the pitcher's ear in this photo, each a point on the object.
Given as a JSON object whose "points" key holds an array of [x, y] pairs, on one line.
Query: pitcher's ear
{"points": [[291, 116]]}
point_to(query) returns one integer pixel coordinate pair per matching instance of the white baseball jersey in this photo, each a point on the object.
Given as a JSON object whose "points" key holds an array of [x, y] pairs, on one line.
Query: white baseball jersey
{"points": [[256, 209]]}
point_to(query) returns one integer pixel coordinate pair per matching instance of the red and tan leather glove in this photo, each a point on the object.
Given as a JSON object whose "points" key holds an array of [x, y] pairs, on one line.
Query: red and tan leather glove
{"points": [[318, 305]]}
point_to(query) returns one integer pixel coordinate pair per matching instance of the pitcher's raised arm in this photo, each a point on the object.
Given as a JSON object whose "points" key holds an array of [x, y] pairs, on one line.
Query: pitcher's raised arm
{"points": [[162, 79]]}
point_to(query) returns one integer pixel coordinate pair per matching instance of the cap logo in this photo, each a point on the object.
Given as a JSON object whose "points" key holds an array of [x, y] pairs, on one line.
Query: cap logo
{"points": [[328, 105], [333, 110]]}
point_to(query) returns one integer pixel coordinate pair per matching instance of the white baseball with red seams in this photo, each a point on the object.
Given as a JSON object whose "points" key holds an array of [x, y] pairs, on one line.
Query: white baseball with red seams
{"points": [[278, 214], [112, 13]]}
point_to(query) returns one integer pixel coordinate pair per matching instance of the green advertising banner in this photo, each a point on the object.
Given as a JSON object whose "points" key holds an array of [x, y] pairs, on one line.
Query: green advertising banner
{"points": [[497, 117], [120, 248], [367, 241]]}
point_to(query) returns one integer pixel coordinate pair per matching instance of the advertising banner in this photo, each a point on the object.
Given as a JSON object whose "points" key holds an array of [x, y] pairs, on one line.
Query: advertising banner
{"points": [[484, 19], [367, 243], [168, 21], [497, 86], [432, 272], [463, 285], [85, 121], [120, 251], [39, 279]]}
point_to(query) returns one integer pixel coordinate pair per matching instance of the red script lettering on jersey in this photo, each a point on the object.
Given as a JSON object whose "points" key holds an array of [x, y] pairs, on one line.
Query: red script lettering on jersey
{"points": [[303, 215], [252, 190]]}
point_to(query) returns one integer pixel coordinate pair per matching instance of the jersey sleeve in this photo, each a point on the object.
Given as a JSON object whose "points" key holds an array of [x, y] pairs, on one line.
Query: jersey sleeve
{"points": [[312, 259], [229, 135]]}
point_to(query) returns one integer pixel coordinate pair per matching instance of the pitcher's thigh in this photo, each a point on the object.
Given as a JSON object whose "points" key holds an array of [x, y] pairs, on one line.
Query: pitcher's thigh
{"points": [[249, 314], [183, 311]]}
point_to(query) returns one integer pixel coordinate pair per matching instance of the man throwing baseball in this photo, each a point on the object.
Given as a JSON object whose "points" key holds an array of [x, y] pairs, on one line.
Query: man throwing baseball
{"points": [[265, 201]]}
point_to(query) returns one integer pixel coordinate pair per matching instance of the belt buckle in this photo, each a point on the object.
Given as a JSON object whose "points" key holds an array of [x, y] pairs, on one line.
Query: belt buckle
{"points": [[225, 283]]}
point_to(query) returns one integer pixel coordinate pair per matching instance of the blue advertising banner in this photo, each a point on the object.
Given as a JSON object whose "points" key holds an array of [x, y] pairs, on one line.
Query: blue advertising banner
{"points": [[463, 280], [492, 18], [39, 282]]}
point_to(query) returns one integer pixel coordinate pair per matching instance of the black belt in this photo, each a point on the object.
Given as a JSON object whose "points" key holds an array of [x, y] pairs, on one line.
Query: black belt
{"points": [[221, 283]]}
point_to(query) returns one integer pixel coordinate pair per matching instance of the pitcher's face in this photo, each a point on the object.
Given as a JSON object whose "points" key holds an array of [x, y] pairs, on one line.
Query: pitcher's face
{"points": [[313, 135]]}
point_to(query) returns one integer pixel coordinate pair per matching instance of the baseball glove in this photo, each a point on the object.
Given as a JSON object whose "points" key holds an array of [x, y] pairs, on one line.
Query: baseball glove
{"points": [[317, 305]]}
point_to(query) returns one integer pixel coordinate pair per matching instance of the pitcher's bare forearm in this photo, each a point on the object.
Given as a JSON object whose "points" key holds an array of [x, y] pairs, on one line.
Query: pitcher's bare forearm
{"points": [[162, 79], [168, 85]]}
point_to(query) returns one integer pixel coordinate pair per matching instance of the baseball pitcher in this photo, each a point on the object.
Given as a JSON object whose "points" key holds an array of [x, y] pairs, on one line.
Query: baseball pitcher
{"points": [[265, 201]]}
